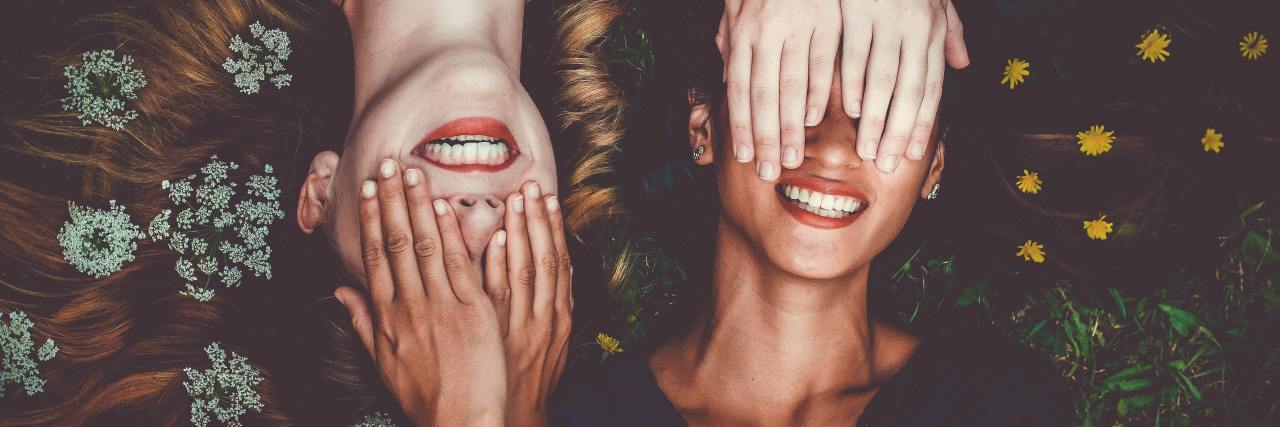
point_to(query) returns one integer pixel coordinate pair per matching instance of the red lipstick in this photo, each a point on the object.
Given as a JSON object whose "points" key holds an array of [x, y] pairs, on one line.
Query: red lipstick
{"points": [[486, 126], [823, 186]]}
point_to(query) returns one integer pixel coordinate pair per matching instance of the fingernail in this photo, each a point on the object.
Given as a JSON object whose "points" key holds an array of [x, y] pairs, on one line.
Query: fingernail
{"points": [[387, 168], [789, 157], [553, 204], [917, 151], [765, 170], [338, 295], [518, 204], [500, 237], [889, 163], [811, 117], [533, 191], [855, 110], [441, 206], [411, 177], [869, 150], [742, 153], [368, 189]]}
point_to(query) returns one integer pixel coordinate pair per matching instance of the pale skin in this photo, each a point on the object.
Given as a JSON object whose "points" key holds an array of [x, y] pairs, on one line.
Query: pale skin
{"points": [[788, 339], [779, 58], [463, 297]]}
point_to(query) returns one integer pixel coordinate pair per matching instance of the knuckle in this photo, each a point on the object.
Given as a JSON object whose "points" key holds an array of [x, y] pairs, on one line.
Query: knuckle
{"points": [[398, 243], [550, 263], [874, 122], [765, 141], [933, 90], [819, 61], [524, 277], [884, 80], [373, 254], [735, 88], [793, 80], [425, 246], [456, 260], [565, 263], [500, 296], [762, 93]]}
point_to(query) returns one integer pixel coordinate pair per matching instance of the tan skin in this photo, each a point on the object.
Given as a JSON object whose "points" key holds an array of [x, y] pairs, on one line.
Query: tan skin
{"points": [[788, 340]]}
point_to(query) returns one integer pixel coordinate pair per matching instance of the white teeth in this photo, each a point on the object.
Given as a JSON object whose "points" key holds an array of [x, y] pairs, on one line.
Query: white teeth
{"points": [[822, 204], [467, 150]]}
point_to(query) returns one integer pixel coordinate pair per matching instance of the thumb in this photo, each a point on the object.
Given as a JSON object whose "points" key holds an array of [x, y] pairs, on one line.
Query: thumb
{"points": [[358, 307], [956, 52]]}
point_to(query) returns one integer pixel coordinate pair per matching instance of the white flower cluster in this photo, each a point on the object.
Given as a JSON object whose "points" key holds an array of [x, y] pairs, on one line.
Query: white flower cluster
{"points": [[258, 62], [98, 242], [16, 347], [225, 390], [100, 86], [219, 234], [376, 419]]}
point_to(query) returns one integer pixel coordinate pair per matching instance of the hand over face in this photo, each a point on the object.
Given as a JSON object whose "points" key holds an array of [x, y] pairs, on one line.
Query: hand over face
{"points": [[780, 57]]}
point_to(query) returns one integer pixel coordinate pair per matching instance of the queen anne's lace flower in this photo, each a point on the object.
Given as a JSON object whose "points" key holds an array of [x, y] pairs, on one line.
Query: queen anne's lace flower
{"points": [[219, 232], [99, 87], [259, 61], [98, 242], [376, 419], [16, 347], [225, 390]]}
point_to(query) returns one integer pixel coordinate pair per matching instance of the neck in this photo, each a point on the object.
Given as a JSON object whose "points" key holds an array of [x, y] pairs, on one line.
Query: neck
{"points": [[389, 36], [800, 336]]}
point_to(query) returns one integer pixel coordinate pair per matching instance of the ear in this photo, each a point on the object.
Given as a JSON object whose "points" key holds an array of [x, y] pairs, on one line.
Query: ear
{"points": [[700, 127], [935, 169], [314, 196]]}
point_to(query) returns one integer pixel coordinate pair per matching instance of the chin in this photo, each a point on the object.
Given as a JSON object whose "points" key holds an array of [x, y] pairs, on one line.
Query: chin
{"points": [[815, 263]]}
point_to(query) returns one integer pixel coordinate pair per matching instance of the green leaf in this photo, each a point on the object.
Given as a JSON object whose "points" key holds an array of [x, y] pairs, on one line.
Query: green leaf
{"points": [[1256, 249], [1181, 320], [1251, 210]]}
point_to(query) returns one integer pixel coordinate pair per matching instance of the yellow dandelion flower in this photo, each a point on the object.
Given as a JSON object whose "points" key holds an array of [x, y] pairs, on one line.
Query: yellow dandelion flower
{"points": [[1031, 252], [1098, 229], [1212, 141], [608, 343], [1015, 72], [1153, 46], [1095, 141], [1029, 182], [1253, 45]]}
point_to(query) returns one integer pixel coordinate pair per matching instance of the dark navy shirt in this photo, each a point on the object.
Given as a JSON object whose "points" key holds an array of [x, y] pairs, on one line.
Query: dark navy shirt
{"points": [[978, 381]]}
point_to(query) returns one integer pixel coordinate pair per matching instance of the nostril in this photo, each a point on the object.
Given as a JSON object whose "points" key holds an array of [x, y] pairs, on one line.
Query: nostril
{"points": [[467, 202], [493, 203]]}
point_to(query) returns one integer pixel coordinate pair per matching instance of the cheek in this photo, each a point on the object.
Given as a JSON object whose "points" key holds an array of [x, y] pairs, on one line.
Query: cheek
{"points": [[346, 235]]}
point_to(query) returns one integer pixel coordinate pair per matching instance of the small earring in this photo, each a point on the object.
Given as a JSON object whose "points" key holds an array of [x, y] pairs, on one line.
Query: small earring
{"points": [[933, 194], [698, 152]]}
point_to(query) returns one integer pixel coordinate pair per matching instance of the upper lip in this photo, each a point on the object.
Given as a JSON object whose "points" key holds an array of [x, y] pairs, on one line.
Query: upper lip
{"points": [[826, 186], [478, 125]]}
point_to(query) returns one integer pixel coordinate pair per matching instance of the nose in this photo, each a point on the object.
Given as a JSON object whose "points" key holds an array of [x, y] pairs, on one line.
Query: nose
{"points": [[833, 142], [479, 216]]}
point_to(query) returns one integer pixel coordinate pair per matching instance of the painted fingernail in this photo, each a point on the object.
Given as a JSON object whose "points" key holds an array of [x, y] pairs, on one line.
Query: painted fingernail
{"points": [[518, 204], [811, 117], [368, 189], [917, 151], [441, 206], [889, 163], [387, 168], [742, 153], [553, 203], [411, 177], [500, 237], [766, 171], [790, 158], [533, 191]]}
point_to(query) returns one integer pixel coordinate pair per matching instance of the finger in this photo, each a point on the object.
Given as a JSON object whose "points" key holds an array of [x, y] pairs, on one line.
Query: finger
{"points": [[722, 44], [957, 51], [546, 260], [928, 114], [855, 50], [793, 86], [738, 92], [453, 252], [564, 278], [822, 54], [765, 68], [426, 235], [520, 270], [882, 75], [495, 277], [905, 105], [377, 272], [397, 231], [361, 320]]}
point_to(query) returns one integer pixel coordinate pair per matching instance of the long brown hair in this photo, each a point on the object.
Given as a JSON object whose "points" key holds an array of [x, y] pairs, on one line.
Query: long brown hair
{"points": [[125, 338]]}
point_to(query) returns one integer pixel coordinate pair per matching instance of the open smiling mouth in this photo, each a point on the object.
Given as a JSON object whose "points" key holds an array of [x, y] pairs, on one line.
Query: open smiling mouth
{"points": [[819, 204], [471, 144]]}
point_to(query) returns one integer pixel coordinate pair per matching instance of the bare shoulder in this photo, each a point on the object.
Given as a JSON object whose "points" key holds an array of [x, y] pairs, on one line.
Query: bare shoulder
{"points": [[894, 347]]}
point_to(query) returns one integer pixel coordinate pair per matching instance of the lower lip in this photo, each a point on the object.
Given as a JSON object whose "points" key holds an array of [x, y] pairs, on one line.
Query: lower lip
{"points": [[472, 126], [814, 220]]}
